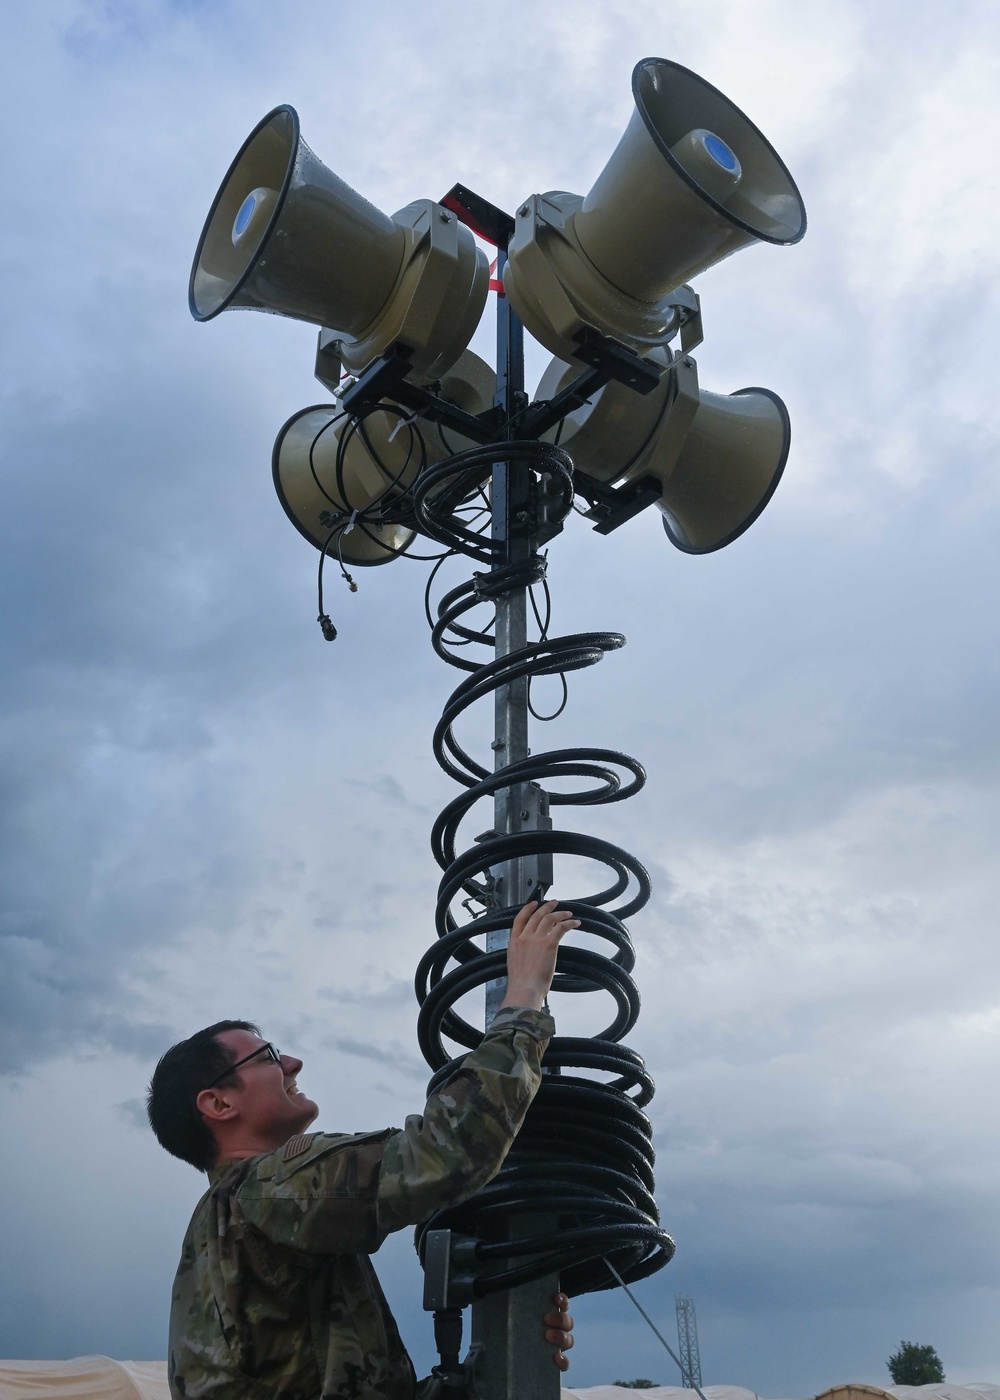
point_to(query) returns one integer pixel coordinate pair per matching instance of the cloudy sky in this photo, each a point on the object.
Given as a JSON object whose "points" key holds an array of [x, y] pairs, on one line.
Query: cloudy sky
{"points": [[207, 811]]}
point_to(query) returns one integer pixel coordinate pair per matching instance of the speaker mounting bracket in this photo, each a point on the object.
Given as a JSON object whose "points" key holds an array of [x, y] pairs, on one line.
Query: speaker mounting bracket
{"points": [[611, 506], [329, 363], [616, 360], [608, 359], [545, 414], [688, 304], [385, 378], [478, 214]]}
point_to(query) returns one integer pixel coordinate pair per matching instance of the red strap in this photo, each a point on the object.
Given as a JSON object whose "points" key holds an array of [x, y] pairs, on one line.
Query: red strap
{"points": [[450, 202]]}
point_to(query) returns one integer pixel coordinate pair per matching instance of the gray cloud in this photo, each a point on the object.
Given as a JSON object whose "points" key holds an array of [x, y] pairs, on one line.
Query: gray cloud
{"points": [[392, 1055], [133, 1112]]}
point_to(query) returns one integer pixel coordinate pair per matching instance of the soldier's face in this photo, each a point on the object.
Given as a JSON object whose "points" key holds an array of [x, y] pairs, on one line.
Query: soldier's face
{"points": [[270, 1103]]}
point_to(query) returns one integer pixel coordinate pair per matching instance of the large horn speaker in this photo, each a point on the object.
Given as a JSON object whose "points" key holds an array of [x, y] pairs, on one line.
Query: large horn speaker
{"points": [[691, 181], [717, 457], [343, 484], [287, 235]]}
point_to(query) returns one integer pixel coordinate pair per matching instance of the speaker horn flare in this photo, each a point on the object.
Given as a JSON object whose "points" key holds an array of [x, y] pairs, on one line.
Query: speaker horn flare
{"points": [[727, 469], [691, 181], [717, 457], [287, 235]]}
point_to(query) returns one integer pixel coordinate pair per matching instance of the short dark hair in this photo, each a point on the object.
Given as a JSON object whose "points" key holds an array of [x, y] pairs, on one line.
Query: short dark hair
{"points": [[178, 1079]]}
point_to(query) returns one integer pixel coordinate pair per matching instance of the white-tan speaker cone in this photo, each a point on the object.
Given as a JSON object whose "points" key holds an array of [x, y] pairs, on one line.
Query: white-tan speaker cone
{"points": [[727, 470]]}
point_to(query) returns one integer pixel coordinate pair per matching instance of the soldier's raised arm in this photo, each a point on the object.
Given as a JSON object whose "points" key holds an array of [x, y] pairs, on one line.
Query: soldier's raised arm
{"points": [[327, 1194], [460, 1140]]}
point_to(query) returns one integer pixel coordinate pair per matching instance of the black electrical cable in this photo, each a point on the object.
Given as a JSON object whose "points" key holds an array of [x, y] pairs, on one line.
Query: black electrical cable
{"points": [[324, 620], [583, 1160], [464, 473], [584, 1157], [543, 632]]}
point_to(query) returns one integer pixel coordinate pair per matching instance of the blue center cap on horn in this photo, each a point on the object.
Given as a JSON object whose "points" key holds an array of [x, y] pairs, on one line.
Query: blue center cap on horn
{"points": [[246, 213], [716, 148]]}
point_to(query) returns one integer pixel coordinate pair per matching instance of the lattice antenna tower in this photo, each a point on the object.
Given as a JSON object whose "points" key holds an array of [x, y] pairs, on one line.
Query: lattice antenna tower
{"points": [[687, 1342]]}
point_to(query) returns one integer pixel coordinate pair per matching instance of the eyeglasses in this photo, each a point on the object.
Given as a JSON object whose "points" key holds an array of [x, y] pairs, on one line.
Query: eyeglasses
{"points": [[266, 1049]]}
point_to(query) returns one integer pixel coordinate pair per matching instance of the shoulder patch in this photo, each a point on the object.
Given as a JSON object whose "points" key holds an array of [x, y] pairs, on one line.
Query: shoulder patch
{"points": [[295, 1146]]}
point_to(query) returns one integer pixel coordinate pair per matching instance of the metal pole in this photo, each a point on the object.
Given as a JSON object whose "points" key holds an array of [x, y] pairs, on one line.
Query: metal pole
{"points": [[512, 545], [515, 1361]]}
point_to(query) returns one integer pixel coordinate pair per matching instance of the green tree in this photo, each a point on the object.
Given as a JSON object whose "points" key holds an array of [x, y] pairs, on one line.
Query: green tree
{"points": [[915, 1365], [640, 1384]]}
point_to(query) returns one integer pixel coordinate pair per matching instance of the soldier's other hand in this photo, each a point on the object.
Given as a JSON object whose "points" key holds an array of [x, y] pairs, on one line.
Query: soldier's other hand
{"points": [[559, 1330], [531, 953]]}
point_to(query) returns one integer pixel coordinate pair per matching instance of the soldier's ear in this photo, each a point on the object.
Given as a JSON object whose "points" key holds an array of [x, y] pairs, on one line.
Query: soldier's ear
{"points": [[216, 1105]]}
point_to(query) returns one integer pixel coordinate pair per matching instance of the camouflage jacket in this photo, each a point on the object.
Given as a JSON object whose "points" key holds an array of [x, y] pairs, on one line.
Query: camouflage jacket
{"points": [[275, 1297]]}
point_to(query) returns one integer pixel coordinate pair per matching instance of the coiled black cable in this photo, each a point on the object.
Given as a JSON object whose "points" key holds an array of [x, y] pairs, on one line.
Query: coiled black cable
{"points": [[583, 1160]]}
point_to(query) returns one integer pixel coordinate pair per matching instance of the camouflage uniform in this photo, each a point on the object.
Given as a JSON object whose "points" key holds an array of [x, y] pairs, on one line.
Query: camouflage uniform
{"points": [[275, 1297]]}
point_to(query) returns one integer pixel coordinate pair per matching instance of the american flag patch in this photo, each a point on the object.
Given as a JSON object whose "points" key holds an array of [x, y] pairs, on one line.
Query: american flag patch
{"points": [[295, 1146]]}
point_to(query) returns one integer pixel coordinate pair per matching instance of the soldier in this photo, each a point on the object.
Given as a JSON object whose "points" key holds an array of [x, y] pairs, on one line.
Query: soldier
{"points": [[275, 1296]]}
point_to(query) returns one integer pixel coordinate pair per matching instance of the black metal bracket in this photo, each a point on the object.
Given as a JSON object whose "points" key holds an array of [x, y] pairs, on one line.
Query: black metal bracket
{"points": [[609, 359], [479, 215], [617, 361], [612, 506], [545, 414], [385, 378]]}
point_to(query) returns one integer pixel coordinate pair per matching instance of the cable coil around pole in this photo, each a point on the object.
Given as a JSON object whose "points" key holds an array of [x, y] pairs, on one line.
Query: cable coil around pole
{"points": [[584, 1156]]}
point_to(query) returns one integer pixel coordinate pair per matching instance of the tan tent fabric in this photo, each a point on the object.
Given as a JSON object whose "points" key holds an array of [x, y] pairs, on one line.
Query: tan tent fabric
{"points": [[84, 1378], [858, 1392], [101, 1378], [975, 1390], [659, 1392]]}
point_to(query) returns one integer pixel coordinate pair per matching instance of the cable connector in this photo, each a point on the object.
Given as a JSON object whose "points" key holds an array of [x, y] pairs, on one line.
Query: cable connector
{"points": [[329, 631]]}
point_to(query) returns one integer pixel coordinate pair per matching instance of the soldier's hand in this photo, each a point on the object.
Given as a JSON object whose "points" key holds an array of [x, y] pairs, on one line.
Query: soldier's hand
{"points": [[559, 1330], [531, 952]]}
